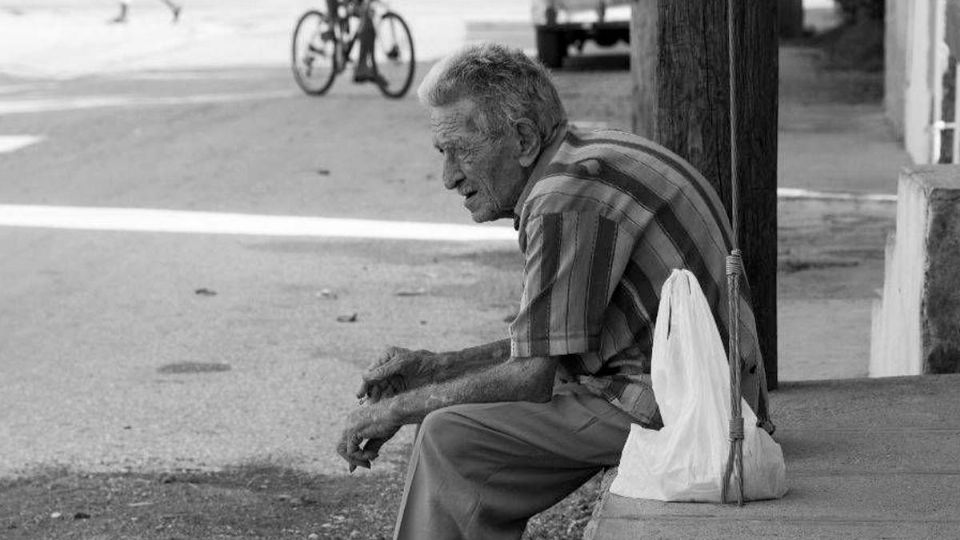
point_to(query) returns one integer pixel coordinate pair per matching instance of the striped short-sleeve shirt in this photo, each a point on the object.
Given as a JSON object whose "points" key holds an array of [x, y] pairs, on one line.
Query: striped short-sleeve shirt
{"points": [[603, 220]]}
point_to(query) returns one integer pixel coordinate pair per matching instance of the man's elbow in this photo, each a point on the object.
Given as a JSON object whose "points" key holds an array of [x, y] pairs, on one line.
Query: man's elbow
{"points": [[537, 382], [542, 393]]}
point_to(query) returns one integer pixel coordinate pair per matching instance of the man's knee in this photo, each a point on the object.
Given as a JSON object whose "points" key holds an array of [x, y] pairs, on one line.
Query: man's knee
{"points": [[446, 432]]}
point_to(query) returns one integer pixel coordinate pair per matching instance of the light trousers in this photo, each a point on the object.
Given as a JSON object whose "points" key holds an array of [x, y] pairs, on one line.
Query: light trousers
{"points": [[480, 471]]}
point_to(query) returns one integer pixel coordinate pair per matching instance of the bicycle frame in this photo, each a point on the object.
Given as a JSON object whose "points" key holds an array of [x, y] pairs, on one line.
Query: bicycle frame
{"points": [[348, 33]]}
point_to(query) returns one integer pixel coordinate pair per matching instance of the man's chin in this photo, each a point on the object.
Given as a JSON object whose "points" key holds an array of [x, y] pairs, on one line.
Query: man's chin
{"points": [[487, 213], [483, 217]]}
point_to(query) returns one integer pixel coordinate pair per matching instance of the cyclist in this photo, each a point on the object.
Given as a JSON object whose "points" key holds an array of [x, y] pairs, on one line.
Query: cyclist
{"points": [[364, 70]]}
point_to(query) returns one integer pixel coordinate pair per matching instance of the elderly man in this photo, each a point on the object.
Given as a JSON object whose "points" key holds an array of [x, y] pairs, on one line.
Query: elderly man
{"points": [[512, 427]]}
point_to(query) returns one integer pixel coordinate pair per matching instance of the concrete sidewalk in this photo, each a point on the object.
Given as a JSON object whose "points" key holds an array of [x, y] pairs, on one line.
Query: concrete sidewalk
{"points": [[833, 132], [866, 458]]}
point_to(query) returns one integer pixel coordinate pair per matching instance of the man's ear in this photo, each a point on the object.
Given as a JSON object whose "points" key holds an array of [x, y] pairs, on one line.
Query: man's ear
{"points": [[529, 141]]}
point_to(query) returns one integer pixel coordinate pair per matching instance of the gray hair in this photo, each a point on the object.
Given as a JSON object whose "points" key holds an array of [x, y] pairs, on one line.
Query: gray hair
{"points": [[504, 83]]}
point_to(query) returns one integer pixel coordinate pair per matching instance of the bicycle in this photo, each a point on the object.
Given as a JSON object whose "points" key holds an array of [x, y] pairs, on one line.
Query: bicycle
{"points": [[322, 47]]}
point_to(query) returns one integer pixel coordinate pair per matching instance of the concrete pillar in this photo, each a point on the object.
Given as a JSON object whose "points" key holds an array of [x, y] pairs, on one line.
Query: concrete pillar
{"points": [[926, 62], [916, 324], [918, 99]]}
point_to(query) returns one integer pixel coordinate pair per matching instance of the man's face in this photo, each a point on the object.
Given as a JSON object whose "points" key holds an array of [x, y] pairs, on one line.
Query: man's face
{"points": [[484, 170]]}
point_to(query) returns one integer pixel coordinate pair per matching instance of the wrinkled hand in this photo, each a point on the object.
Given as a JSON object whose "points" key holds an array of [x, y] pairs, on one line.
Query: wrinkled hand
{"points": [[369, 424], [396, 371]]}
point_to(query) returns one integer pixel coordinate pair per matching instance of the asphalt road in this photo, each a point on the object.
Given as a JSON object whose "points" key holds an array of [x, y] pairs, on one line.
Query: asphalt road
{"points": [[159, 350]]}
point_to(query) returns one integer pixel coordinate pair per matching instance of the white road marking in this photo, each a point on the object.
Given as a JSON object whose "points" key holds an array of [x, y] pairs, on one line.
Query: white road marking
{"points": [[24, 106], [178, 221], [207, 75], [12, 143], [181, 221], [794, 193]]}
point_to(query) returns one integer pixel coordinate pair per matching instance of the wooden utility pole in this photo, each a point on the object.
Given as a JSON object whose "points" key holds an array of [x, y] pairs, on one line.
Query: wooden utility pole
{"points": [[681, 100], [790, 18]]}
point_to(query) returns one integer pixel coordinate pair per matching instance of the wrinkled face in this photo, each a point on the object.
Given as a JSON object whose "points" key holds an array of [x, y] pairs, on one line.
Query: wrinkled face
{"points": [[484, 170]]}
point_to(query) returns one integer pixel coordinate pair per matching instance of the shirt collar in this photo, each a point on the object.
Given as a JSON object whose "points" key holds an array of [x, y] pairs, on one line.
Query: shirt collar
{"points": [[545, 157]]}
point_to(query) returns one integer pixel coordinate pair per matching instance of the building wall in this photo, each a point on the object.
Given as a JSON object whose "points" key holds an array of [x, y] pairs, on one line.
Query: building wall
{"points": [[915, 60]]}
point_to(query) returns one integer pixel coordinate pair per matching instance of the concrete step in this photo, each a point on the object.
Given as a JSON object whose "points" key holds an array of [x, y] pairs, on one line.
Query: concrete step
{"points": [[866, 458]]}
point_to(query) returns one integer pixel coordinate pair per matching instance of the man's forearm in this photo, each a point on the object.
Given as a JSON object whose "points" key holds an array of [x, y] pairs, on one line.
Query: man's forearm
{"points": [[515, 379], [449, 365]]}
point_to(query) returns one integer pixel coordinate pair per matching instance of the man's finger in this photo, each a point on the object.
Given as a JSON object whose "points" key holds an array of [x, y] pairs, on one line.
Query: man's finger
{"points": [[357, 458], [381, 372], [389, 354], [375, 445], [374, 371], [358, 462], [397, 385], [373, 377], [371, 450], [354, 456], [353, 445], [343, 452], [364, 389], [373, 389]]}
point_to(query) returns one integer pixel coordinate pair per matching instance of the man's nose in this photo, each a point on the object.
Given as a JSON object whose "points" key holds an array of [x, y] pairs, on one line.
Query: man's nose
{"points": [[452, 175]]}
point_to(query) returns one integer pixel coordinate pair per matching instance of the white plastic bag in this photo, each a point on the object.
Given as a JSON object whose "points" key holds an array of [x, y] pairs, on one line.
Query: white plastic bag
{"points": [[685, 460]]}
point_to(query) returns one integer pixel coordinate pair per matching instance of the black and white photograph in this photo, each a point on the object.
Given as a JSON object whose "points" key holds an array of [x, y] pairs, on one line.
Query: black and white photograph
{"points": [[479, 269]]}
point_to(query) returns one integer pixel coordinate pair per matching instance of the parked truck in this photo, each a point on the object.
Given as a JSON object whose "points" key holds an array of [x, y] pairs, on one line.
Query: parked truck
{"points": [[562, 23]]}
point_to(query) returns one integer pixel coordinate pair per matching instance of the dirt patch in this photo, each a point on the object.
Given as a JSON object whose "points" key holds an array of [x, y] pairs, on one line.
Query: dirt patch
{"points": [[246, 502], [255, 501]]}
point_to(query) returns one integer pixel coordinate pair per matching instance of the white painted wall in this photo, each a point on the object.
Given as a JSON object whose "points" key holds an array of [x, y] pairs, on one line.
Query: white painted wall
{"points": [[895, 345], [918, 92]]}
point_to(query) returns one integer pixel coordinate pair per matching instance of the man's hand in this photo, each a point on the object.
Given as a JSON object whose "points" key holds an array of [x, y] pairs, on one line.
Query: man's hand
{"points": [[396, 371], [371, 424]]}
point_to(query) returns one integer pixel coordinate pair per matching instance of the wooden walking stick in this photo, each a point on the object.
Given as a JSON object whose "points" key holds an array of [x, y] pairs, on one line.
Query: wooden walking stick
{"points": [[734, 466]]}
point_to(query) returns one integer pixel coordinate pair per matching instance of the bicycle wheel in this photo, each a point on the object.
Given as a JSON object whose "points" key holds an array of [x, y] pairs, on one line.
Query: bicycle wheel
{"points": [[393, 55], [314, 53]]}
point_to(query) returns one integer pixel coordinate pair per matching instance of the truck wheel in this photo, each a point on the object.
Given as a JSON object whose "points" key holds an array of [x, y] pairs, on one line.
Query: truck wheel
{"points": [[551, 47]]}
